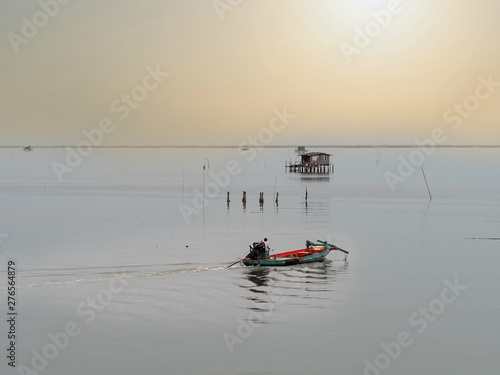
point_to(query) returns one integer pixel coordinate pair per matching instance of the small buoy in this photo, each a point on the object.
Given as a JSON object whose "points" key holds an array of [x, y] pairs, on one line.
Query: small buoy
{"points": [[187, 246]]}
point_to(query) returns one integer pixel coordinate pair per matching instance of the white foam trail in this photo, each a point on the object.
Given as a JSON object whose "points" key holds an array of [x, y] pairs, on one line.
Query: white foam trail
{"points": [[128, 274]]}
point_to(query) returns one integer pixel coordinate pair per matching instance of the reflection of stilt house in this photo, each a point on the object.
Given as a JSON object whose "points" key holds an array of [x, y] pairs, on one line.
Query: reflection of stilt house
{"points": [[312, 162]]}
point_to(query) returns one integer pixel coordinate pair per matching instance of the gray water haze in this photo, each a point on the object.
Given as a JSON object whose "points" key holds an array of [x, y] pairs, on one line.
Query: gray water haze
{"points": [[120, 255]]}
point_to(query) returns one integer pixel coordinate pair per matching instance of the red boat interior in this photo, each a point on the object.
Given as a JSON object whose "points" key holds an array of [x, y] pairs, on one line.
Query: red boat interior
{"points": [[296, 253]]}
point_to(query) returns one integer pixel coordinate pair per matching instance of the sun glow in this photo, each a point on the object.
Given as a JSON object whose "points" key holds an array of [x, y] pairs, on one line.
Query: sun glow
{"points": [[401, 23]]}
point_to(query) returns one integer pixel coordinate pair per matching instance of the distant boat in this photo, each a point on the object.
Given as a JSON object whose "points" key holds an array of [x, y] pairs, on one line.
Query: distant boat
{"points": [[314, 252], [28, 148], [245, 148]]}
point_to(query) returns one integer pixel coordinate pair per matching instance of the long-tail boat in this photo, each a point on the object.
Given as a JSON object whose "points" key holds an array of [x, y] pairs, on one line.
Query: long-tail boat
{"points": [[314, 252]]}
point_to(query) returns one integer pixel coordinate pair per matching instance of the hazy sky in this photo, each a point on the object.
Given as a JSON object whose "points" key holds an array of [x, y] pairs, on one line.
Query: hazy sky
{"points": [[230, 67]]}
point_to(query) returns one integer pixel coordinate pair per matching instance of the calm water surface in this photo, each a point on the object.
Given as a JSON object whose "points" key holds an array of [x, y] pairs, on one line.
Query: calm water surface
{"points": [[109, 251]]}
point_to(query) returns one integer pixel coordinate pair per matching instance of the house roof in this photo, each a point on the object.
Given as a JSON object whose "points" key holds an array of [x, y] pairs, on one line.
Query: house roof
{"points": [[315, 153]]}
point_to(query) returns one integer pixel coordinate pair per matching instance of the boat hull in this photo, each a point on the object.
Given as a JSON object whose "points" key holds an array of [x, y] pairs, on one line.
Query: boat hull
{"points": [[289, 258]]}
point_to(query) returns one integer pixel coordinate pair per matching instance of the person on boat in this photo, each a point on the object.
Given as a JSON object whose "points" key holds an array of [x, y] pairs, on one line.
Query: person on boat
{"points": [[265, 255], [266, 244]]}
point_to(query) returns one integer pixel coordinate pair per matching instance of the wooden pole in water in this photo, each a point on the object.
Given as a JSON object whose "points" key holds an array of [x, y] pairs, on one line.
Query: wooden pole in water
{"points": [[274, 192], [244, 199], [306, 192], [277, 194], [426, 184], [228, 200], [203, 187], [261, 199]]}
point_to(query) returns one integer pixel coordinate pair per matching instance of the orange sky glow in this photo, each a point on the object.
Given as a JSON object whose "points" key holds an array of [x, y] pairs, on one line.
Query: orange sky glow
{"points": [[210, 73]]}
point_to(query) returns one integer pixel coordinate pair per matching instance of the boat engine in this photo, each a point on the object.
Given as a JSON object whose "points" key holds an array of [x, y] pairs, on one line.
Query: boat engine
{"points": [[258, 251]]}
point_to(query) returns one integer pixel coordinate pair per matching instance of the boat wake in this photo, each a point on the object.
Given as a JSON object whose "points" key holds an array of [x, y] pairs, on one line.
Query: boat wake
{"points": [[87, 275]]}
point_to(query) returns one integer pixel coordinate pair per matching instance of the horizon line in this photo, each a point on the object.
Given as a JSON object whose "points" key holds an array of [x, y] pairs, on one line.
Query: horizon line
{"points": [[251, 146]]}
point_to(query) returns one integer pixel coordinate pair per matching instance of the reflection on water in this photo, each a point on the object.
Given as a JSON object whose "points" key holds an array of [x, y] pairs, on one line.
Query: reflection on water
{"points": [[315, 178], [258, 275], [308, 178], [119, 217], [319, 207], [311, 285]]}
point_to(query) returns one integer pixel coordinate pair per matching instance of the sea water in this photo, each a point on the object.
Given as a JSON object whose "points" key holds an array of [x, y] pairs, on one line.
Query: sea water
{"points": [[121, 266]]}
